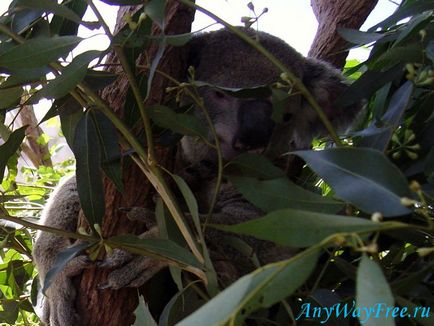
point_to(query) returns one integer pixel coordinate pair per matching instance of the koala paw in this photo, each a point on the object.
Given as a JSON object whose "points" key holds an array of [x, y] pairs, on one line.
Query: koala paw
{"points": [[135, 273]]}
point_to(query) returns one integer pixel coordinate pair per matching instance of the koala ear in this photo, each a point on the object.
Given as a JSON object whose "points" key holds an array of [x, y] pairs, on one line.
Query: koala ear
{"points": [[326, 84], [195, 47]]}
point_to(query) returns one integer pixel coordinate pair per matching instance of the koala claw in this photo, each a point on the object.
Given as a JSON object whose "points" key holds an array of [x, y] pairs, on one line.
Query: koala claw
{"points": [[134, 274]]}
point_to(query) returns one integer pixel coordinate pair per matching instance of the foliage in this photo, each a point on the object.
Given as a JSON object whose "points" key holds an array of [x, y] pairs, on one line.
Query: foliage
{"points": [[378, 250]]}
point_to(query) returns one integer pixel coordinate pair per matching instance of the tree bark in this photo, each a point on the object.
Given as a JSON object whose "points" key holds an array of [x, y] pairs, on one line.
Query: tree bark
{"points": [[108, 307], [328, 45]]}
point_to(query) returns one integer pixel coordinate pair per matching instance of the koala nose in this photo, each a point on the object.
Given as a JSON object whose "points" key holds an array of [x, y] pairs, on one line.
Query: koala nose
{"points": [[254, 125]]}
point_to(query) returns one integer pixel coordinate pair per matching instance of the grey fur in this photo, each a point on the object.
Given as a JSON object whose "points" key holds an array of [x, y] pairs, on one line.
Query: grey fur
{"points": [[222, 59]]}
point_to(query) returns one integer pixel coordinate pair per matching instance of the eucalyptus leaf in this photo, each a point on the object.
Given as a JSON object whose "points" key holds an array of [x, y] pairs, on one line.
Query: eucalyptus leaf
{"points": [[379, 137], [409, 8], [110, 151], [158, 248], [256, 166], [182, 123], [358, 37], [274, 194], [49, 6], [261, 288], [10, 147], [362, 176], [297, 228], [123, 2], [63, 258], [155, 10], [63, 26], [71, 75], [143, 314], [87, 153], [38, 52], [10, 97], [373, 290]]}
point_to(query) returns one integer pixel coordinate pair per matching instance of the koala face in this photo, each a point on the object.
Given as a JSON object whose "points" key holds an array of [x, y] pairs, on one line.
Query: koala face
{"points": [[241, 125], [222, 59]]}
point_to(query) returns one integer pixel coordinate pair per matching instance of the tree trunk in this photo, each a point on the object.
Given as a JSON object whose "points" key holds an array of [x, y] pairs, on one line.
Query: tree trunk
{"points": [[107, 307], [328, 45]]}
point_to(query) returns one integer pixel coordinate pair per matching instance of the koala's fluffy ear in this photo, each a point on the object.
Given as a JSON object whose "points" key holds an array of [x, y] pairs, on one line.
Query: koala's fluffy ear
{"points": [[326, 84], [194, 50]]}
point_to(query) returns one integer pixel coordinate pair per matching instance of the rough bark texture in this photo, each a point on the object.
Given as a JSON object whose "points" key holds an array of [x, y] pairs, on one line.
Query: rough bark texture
{"points": [[108, 307], [37, 153], [332, 15]]}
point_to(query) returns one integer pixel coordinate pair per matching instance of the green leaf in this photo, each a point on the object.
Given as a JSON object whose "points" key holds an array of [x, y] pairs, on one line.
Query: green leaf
{"points": [[261, 288], [63, 258], [400, 54], [178, 39], [414, 25], [97, 79], [256, 166], [274, 194], [367, 84], [10, 147], [62, 26], [123, 2], [190, 199], [155, 10], [409, 8], [23, 77], [157, 248], [49, 6], [358, 37], [373, 290], [296, 228], [23, 19], [10, 311], [182, 123], [10, 97], [143, 315], [111, 154], [87, 153], [70, 113], [71, 75], [38, 52], [379, 137], [362, 176]]}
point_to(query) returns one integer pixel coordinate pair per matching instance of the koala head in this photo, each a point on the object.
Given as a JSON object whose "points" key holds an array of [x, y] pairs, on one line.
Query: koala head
{"points": [[222, 59]]}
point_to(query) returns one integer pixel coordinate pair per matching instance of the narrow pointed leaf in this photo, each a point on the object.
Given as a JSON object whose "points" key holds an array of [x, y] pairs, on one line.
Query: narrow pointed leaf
{"points": [[261, 288], [182, 123], [110, 152], [274, 194], [159, 248], [61, 260], [372, 286], [362, 176], [296, 228], [10, 97], [71, 75], [49, 6], [89, 183], [38, 52], [10, 147], [256, 166]]}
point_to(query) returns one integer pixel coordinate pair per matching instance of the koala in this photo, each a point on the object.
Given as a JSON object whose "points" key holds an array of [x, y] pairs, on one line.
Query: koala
{"points": [[222, 59]]}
